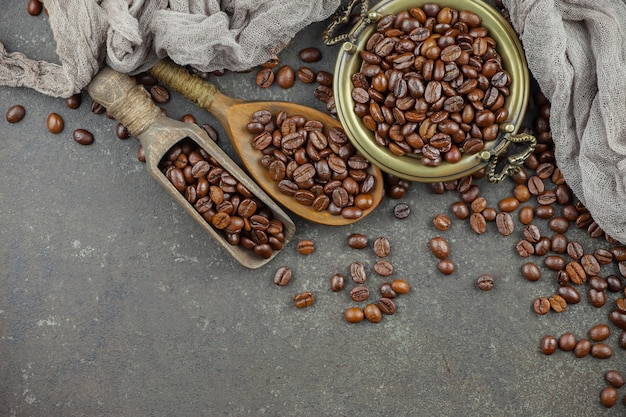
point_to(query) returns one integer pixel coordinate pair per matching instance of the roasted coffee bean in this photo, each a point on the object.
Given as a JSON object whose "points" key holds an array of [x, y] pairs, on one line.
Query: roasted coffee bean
{"points": [[359, 293], [478, 223], [372, 313], [460, 210], [337, 282], [304, 299], [557, 303], [121, 131], [15, 113], [310, 54], [614, 378], [73, 102], [531, 233], [358, 272], [569, 294], [544, 212], [558, 243], [159, 94], [446, 266], [387, 291], [82, 136], [383, 268], [485, 282], [34, 7], [401, 211], [558, 224], [618, 318], [575, 250], [608, 397], [442, 222], [549, 345], [525, 248], [597, 298], [439, 247], [357, 241], [54, 123], [531, 271], [265, 78], [305, 75], [590, 264], [282, 276], [400, 286], [567, 342], [353, 315], [382, 247], [554, 262], [599, 332], [614, 283], [285, 76], [387, 306], [305, 247], [582, 348], [601, 351], [504, 223], [541, 305]]}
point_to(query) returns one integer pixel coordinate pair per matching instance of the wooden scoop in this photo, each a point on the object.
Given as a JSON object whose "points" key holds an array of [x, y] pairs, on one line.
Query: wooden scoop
{"points": [[131, 105], [234, 114]]}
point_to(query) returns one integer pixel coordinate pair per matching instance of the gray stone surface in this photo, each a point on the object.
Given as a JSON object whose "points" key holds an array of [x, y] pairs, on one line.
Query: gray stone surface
{"points": [[113, 302]]}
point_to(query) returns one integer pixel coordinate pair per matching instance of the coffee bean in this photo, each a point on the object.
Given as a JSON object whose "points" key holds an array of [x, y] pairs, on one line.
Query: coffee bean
{"points": [[15, 113], [34, 7], [337, 282], [265, 78], [400, 286], [614, 378], [306, 247], [485, 282], [359, 293], [383, 268], [387, 306], [73, 102], [557, 303], [531, 271], [304, 299], [310, 54], [401, 211], [582, 348], [285, 76], [305, 75], [541, 305], [282, 276], [567, 342], [549, 345], [121, 131], [54, 122], [387, 291], [353, 315], [442, 222], [439, 247], [525, 248], [82, 136], [358, 272], [373, 313], [159, 94], [569, 294], [599, 332], [608, 397], [478, 223], [382, 247], [504, 223], [575, 250], [357, 241], [446, 266], [590, 264], [601, 351]]}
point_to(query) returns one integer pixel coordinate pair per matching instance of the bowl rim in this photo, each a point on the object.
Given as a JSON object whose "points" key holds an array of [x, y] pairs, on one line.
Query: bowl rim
{"points": [[408, 167]]}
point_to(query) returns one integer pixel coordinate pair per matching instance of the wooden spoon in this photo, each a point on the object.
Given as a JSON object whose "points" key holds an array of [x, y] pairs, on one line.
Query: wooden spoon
{"points": [[234, 114], [131, 105]]}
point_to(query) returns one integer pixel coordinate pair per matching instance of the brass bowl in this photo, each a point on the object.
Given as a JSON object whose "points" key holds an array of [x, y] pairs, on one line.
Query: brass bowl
{"points": [[409, 167]]}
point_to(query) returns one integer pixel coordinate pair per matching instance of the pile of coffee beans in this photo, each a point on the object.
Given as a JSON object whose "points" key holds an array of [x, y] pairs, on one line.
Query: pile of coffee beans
{"points": [[222, 200], [315, 165], [431, 84]]}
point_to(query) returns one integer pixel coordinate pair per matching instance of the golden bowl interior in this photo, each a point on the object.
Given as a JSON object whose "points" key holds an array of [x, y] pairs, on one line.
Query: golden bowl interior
{"points": [[408, 166]]}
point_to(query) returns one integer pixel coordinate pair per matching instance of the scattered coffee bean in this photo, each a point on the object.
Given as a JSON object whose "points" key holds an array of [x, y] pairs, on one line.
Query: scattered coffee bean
{"points": [[387, 306], [439, 247], [353, 314], [358, 272], [446, 266], [401, 211], [383, 268], [400, 286], [305, 247], [382, 247], [359, 293], [549, 345], [485, 282], [357, 241], [310, 54], [541, 305], [372, 313], [337, 282], [15, 113], [34, 7], [442, 222], [82, 136], [54, 122], [531, 271], [265, 77], [282, 276], [582, 348], [601, 351], [608, 396], [614, 378], [599, 332], [285, 76], [567, 342], [304, 299]]}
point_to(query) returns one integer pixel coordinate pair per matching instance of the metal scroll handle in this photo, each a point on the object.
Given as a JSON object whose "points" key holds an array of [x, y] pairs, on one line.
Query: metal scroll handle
{"points": [[342, 17], [513, 162]]}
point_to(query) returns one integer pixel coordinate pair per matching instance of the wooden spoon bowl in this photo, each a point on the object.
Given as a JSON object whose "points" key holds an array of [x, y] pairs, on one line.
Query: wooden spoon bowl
{"points": [[234, 114]]}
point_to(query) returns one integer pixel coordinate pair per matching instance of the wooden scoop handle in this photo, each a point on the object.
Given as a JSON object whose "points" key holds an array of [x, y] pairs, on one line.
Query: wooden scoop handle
{"points": [[127, 102]]}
